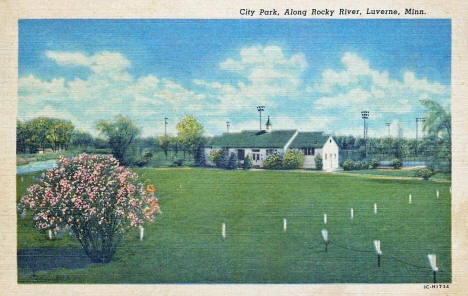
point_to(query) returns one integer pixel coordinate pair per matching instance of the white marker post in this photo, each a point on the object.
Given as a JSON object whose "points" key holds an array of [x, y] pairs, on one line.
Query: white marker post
{"points": [[375, 208], [324, 218], [284, 224], [437, 193], [325, 238], [352, 213], [223, 230], [378, 251], [432, 261], [50, 234], [409, 199], [142, 232], [22, 179]]}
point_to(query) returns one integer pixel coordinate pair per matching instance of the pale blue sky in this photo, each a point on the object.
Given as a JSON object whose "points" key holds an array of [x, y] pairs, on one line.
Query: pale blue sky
{"points": [[310, 74]]}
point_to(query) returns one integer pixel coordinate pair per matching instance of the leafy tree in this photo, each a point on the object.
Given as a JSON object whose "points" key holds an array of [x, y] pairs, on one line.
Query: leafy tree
{"points": [[38, 129], [120, 132], [81, 139], [200, 155], [232, 162], [165, 143], [247, 163], [293, 159], [21, 137], [59, 133], [438, 120], [222, 161], [190, 133]]}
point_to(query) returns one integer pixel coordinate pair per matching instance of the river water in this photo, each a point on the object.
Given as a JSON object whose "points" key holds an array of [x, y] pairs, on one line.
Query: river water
{"points": [[36, 166]]}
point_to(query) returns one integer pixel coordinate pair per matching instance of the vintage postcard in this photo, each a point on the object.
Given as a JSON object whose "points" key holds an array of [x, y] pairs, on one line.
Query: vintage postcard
{"points": [[284, 147]]}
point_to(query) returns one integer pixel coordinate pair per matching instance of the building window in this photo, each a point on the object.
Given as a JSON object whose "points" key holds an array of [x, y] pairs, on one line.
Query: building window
{"points": [[255, 150], [270, 151], [334, 156], [240, 154], [308, 151]]}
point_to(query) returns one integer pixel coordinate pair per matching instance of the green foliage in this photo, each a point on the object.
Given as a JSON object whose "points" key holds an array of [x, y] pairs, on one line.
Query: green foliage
{"points": [[395, 163], [81, 139], [273, 162], [120, 132], [164, 143], [374, 163], [424, 173], [190, 133], [362, 165], [215, 156], [247, 163], [223, 159], [293, 159], [200, 156], [318, 162], [437, 120], [232, 163], [349, 165]]}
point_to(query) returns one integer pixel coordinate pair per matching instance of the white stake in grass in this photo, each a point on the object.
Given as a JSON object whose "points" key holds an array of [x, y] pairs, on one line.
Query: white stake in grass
{"points": [[352, 213], [378, 251], [142, 232], [375, 208], [285, 224], [325, 238], [409, 199], [432, 261], [223, 230], [437, 193], [324, 218], [50, 234]]}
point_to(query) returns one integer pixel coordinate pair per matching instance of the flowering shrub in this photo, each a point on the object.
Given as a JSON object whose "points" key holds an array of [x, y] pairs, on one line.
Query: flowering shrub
{"points": [[96, 198], [293, 159]]}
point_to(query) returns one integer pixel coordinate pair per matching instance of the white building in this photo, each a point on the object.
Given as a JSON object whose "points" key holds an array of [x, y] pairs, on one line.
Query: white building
{"points": [[261, 144]]}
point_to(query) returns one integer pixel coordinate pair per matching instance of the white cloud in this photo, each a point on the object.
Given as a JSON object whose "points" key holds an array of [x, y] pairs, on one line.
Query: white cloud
{"points": [[359, 87], [64, 58]]}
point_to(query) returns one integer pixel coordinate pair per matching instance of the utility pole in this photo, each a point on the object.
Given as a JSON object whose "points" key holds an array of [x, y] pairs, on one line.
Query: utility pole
{"points": [[228, 124], [260, 109], [165, 126]]}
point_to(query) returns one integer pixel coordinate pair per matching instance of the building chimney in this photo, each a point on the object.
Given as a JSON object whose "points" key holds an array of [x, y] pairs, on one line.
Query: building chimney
{"points": [[268, 125]]}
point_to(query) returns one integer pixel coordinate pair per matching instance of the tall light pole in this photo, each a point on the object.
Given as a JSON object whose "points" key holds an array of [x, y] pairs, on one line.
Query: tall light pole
{"points": [[165, 126], [260, 109], [388, 127], [228, 124], [365, 116]]}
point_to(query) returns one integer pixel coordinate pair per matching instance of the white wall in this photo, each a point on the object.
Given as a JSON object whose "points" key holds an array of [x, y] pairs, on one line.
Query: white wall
{"points": [[309, 161], [247, 151], [330, 155]]}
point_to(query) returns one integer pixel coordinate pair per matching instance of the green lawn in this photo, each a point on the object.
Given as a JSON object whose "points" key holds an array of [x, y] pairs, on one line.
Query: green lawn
{"points": [[184, 244]]}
